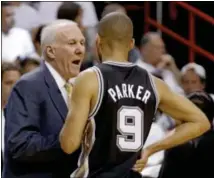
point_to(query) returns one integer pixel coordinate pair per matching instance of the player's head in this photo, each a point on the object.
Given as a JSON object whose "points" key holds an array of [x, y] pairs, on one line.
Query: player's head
{"points": [[63, 46], [152, 48], [193, 78], [205, 102], [115, 35]]}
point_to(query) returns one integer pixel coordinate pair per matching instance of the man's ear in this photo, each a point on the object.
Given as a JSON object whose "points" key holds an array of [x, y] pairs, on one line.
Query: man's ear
{"points": [[50, 51]]}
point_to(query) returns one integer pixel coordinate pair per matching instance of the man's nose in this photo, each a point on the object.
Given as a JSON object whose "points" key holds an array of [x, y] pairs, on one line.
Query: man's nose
{"points": [[80, 49]]}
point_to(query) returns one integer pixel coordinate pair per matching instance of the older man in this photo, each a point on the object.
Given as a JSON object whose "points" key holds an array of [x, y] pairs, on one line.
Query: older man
{"points": [[38, 106], [158, 62]]}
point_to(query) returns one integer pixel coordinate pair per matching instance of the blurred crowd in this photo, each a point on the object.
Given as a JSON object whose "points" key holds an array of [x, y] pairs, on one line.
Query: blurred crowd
{"points": [[22, 25]]}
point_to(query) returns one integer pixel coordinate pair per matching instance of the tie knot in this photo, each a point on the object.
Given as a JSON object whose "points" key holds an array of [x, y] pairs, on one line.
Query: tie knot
{"points": [[68, 88]]}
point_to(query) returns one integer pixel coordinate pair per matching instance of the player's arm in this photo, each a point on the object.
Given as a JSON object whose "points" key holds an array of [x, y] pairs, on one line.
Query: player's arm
{"points": [[72, 131], [193, 121]]}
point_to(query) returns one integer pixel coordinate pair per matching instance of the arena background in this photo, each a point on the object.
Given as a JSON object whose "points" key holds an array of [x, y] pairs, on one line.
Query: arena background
{"points": [[176, 18]]}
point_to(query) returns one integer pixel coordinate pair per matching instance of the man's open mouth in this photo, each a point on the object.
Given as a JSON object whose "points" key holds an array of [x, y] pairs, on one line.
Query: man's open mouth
{"points": [[76, 62]]}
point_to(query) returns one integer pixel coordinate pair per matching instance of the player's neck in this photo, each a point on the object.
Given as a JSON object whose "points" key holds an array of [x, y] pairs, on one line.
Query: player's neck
{"points": [[116, 57]]}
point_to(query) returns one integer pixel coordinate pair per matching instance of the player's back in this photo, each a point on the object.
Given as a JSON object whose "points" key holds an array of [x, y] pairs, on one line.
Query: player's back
{"points": [[119, 123]]}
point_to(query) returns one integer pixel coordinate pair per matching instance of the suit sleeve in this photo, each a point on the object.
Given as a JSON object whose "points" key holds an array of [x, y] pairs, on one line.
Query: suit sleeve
{"points": [[23, 117]]}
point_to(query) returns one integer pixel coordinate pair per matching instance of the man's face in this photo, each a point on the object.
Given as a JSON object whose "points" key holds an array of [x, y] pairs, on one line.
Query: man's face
{"points": [[154, 50], [191, 82], [69, 51], [9, 78], [7, 18]]}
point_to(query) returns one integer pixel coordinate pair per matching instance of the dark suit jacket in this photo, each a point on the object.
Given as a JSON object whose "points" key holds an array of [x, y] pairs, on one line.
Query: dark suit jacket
{"points": [[35, 114]]}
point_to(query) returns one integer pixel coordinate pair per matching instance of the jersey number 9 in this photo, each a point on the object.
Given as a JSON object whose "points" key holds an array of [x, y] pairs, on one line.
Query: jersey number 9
{"points": [[130, 125]]}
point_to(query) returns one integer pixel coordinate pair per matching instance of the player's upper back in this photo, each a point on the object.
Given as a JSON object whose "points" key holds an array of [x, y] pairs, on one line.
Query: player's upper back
{"points": [[127, 82], [127, 98]]}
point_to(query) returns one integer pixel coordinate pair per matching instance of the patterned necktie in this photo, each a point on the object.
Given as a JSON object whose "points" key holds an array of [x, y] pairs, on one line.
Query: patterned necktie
{"points": [[68, 88]]}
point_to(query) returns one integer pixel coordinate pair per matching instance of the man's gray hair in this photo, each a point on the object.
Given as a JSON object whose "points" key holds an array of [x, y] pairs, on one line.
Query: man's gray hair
{"points": [[49, 32]]}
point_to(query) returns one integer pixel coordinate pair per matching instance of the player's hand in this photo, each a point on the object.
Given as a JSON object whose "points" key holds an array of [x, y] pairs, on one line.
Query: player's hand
{"points": [[141, 163], [166, 62]]}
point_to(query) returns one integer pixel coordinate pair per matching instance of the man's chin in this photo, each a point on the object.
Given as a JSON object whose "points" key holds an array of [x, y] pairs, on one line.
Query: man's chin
{"points": [[75, 72]]}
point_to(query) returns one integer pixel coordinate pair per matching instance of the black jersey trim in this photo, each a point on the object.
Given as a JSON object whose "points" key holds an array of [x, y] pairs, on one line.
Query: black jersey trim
{"points": [[155, 91], [100, 92], [120, 64]]}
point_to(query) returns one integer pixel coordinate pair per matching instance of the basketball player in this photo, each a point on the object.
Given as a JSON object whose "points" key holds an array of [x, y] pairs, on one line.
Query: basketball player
{"points": [[113, 105]]}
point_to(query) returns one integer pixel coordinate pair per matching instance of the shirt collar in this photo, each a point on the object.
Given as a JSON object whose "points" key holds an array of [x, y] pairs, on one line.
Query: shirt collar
{"points": [[57, 77]]}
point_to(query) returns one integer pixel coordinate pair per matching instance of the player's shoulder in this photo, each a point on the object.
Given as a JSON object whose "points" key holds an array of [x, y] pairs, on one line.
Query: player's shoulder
{"points": [[88, 76]]}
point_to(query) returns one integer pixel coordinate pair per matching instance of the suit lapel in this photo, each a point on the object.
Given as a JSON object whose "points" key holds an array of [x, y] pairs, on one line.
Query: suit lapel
{"points": [[55, 93]]}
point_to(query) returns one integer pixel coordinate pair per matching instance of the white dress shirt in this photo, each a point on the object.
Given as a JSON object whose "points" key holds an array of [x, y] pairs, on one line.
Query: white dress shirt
{"points": [[17, 43], [2, 131], [26, 17], [59, 81]]}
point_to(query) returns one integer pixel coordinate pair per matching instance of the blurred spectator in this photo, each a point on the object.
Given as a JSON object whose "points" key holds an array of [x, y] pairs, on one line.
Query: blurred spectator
{"points": [[89, 22], [28, 64], [193, 78], [48, 12], [134, 54], [71, 11], [10, 74], [193, 159], [113, 8], [15, 41], [37, 108], [155, 60], [26, 16], [36, 36], [204, 145]]}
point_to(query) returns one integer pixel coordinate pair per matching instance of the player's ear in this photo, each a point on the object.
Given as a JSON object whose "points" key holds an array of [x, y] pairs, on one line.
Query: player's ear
{"points": [[132, 44], [97, 40]]}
